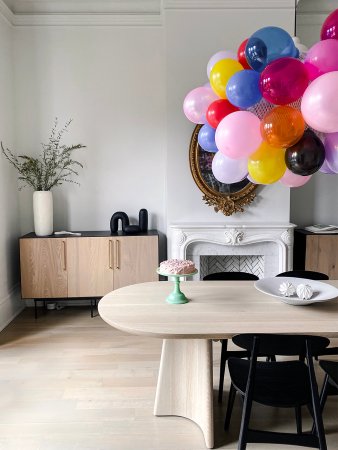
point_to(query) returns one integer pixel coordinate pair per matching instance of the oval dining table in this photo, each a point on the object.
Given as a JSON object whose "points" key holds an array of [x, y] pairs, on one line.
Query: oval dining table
{"points": [[216, 310]]}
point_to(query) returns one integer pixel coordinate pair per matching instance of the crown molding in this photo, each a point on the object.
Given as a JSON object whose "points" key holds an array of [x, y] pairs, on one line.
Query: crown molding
{"points": [[229, 4], [6, 13], [122, 20], [305, 7], [84, 6], [83, 13]]}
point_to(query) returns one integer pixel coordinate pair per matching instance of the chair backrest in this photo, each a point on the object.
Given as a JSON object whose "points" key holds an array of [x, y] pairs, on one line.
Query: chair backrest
{"points": [[230, 276], [309, 274], [281, 344]]}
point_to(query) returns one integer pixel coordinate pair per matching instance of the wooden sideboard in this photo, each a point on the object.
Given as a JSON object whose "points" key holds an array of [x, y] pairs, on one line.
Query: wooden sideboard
{"points": [[318, 252], [90, 265]]}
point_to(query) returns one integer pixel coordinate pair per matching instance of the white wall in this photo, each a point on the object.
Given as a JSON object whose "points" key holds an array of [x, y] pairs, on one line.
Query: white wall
{"points": [[10, 304], [110, 81], [193, 35], [316, 202]]}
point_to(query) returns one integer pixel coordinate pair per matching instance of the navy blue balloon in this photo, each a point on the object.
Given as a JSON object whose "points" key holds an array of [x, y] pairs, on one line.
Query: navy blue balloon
{"points": [[268, 44], [243, 88], [206, 138]]}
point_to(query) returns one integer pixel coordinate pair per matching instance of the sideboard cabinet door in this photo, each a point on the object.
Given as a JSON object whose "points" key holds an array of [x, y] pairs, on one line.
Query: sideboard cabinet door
{"points": [[135, 260], [321, 254], [43, 264], [90, 266]]}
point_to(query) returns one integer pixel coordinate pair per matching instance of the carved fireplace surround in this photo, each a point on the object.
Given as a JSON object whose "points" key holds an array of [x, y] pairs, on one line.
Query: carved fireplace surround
{"points": [[259, 248]]}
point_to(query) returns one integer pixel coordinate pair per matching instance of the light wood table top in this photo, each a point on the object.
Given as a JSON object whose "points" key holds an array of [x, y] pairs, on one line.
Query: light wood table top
{"points": [[216, 310]]}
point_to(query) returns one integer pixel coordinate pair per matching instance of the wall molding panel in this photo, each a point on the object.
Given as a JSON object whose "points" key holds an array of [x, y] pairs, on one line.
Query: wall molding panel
{"points": [[10, 306], [228, 4]]}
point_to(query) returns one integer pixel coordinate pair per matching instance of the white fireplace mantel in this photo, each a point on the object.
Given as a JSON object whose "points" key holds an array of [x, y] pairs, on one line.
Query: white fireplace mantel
{"points": [[273, 241]]}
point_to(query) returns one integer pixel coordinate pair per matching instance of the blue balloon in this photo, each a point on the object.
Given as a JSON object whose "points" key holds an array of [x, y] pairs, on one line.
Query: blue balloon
{"points": [[268, 44], [206, 138], [243, 89]]}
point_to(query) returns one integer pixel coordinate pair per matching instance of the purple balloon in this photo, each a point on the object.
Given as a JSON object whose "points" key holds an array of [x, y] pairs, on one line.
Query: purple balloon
{"points": [[196, 103], [326, 169], [228, 170], [331, 151], [322, 58], [206, 138]]}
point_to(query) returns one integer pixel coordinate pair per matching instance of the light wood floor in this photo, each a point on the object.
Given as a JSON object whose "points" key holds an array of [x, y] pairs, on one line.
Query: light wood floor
{"points": [[69, 382]]}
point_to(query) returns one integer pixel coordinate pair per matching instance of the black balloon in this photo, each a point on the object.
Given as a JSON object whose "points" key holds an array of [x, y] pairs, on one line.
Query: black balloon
{"points": [[306, 156]]}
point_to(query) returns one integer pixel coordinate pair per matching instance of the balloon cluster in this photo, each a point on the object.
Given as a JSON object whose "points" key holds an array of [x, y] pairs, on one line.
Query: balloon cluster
{"points": [[270, 112]]}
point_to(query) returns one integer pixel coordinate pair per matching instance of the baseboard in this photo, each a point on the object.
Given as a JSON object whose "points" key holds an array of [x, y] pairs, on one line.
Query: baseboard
{"points": [[10, 306]]}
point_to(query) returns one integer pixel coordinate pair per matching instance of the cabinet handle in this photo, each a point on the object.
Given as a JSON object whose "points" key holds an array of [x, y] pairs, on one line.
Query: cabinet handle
{"points": [[64, 255], [110, 254], [117, 254]]}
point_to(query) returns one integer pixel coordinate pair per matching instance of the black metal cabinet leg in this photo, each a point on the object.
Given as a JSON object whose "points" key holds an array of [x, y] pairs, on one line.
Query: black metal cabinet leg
{"points": [[91, 308], [298, 412], [35, 309]]}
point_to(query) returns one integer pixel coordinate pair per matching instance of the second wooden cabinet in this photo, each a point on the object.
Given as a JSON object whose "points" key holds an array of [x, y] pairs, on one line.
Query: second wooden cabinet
{"points": [[86, 266]]}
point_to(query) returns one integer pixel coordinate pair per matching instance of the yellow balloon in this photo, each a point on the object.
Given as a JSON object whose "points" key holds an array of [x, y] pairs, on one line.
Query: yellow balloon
{"points": [[220, 74], [267, 164]]}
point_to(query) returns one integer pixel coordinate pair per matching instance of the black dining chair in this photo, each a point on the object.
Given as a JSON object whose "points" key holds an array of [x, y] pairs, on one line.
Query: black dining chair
{"points": [[225, 353], [330, 385], [285, 384], [309, 274]]}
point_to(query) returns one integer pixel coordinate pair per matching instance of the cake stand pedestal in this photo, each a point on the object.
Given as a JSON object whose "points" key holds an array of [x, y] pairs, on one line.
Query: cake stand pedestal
{"points": [[176, 297]]}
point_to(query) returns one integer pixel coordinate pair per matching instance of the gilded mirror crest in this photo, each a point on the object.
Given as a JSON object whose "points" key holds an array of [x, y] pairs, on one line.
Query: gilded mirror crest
{"points": [[227, 198]]}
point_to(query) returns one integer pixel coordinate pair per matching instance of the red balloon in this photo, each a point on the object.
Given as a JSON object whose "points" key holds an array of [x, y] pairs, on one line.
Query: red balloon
{"points": [[241, 55], [330, 27], [217, 110]]}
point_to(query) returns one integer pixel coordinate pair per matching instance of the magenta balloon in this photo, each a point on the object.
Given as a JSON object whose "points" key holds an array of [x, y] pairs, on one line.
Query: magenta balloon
{"points": [[238, 134], [331, 151], [196, 103], [228, 170], [322, 58], [223, 54], [319, 103], [284, 81], [290, 179], [330, 27]]}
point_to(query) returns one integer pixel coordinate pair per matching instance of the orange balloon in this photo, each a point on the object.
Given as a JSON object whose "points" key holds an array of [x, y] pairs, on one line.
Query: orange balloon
{"points": [[283, 126], [267, 164]]}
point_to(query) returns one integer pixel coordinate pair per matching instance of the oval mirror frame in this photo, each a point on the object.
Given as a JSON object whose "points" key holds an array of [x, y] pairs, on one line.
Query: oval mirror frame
{"points": [[228, 203]]}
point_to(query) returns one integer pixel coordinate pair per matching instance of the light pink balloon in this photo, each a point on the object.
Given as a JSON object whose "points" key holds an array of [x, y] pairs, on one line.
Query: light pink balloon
{"points": [[228, 170], [290, 179], [322, 58], [319, 103], [223, 54], [196, 103], [238, 134]]}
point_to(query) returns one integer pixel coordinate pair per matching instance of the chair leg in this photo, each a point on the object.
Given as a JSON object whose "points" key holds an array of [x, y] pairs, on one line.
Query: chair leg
{"points": [[298, 412], [231, 401], [222, 369], [322, 400]]}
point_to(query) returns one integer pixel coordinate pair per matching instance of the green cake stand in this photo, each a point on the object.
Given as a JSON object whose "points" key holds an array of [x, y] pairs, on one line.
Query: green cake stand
{"points": [[176, 297]]}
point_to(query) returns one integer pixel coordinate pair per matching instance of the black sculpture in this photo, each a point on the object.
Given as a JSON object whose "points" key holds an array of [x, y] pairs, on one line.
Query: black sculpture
{"points": [[114, 221], [126, 228]]}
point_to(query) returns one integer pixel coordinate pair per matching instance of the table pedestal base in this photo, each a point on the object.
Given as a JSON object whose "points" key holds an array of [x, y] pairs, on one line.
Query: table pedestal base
{"points": [[185, 384]]}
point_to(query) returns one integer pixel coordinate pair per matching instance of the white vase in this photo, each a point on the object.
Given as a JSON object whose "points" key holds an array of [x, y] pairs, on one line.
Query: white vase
{"points": [[43, 213]]}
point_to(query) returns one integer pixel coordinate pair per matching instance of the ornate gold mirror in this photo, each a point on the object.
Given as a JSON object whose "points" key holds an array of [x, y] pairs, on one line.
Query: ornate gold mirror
{"points": [[228, 198]]}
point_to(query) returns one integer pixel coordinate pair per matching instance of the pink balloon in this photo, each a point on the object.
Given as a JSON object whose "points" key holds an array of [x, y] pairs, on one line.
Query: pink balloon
{"points": [[319, 103], [223, 54], [238, 134], [284, 81], [330, 26], [196, 103], [331, 151], [290, 179], [322, 58], [228, 170]]}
